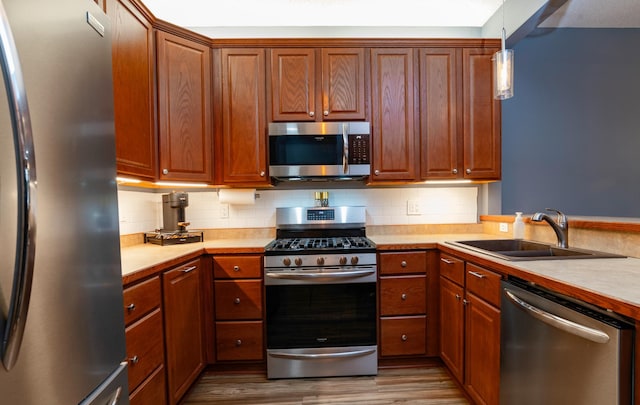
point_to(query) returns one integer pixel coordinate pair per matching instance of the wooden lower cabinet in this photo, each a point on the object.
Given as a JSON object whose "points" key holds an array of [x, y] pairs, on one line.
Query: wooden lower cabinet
{"points": [[145, 342], [184, 327], [152, 391], [406, 307], [470, 327], [238, 299]]}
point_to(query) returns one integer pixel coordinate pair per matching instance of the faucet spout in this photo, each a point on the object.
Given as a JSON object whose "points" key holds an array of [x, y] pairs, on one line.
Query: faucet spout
{"points": [[560, 226]]}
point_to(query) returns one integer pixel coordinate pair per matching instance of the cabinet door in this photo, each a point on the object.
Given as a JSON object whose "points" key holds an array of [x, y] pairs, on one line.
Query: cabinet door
{"points": [[293, 75], [343, 78], [244, 129], [482, 376], [184, 109], [452, 327], [482, 147], [438, 114], [183, 325], [133, 64], [394, 136]]}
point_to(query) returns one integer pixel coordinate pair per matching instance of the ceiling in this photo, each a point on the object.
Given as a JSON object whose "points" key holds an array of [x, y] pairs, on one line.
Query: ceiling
{"points": [[376, 18]]}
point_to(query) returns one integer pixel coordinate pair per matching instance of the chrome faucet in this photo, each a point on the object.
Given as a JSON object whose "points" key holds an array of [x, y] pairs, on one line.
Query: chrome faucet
{"points": [[560, 226]]}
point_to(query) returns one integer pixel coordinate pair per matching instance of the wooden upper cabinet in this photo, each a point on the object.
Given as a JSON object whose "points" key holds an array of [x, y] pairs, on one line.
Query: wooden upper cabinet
{"points": [[244, 128], [133, 62], [312, 84], [482, 119], [438, 114], [343, 84], [184, 104], [394, 136], [293, 74]]}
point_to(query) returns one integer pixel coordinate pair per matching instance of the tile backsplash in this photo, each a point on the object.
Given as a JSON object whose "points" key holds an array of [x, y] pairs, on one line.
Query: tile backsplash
{"points": [[141, 211]]}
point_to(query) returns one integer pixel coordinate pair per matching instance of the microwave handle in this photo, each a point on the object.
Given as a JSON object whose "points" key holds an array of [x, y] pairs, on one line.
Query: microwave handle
{"points": [[345, 149]]}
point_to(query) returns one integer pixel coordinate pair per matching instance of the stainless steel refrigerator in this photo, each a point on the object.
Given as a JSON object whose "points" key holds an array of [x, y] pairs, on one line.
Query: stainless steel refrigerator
{"points": [[62, 321]]}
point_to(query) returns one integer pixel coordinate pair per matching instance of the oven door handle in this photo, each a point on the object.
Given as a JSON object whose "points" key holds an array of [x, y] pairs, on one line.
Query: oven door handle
{"points": [[322, 356], [325, 275]]}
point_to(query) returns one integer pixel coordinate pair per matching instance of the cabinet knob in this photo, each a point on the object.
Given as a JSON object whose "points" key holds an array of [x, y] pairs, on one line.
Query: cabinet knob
{"points": [[134, 360], [403, 263], [165, 171], [239, 342], [403, 297], [454, 171], [326, 113], [458, 297], [236, 301], [131, 307], [376, 172], [311, 114], [468, 171], [236, 268], [262, 173], [404, 338], [465, 302]]}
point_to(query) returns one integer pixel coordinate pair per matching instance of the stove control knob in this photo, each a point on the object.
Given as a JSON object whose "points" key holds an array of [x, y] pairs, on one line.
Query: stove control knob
{"points": [[354, 260], [343, 260], [298, 261], [286, 261], [320, 261]]}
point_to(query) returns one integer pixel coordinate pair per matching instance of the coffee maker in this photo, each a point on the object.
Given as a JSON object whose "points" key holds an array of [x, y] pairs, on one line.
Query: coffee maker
{"points": [[174, 224], [173, 211]]}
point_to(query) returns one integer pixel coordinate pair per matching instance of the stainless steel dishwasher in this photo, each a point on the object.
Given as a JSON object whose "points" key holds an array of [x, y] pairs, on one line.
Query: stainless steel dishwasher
{"points": [[557, 350]]}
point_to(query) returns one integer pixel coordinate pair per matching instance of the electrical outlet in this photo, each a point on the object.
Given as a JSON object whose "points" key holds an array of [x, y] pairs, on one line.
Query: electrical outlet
{"points": [[224, 210], [413, 207], [504, 227]]}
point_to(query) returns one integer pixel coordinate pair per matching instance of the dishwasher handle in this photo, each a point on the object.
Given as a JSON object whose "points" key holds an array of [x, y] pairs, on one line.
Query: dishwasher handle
{"points": [[566, 325]]}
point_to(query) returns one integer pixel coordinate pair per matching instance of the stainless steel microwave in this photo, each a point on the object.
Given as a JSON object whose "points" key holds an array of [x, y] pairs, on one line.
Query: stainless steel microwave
{"points": [[319, 150]]}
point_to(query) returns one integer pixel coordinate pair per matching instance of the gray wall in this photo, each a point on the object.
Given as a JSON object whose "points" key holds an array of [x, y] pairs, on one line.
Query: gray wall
{"points": [[571, 134]]}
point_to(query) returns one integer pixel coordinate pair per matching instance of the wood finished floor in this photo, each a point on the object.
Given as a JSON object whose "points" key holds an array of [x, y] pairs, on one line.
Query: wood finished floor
{"points": [[428, 385]]}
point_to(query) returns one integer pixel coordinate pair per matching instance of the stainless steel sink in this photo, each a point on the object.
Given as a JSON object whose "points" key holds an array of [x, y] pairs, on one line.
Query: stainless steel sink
{"points": [[518, 249]]}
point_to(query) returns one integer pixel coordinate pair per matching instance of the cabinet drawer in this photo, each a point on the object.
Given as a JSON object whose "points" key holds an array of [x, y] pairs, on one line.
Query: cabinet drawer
{"points": [[452, 268], [238, 299], [403, 295], [145, 351], [151, 391], [237, 266], [140, 299], [484, 283], [239, 340], [403, 262], [403, 336]]}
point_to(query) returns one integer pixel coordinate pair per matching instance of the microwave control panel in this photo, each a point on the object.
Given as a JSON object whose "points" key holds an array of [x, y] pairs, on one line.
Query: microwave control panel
{"points": [[359, 149]]}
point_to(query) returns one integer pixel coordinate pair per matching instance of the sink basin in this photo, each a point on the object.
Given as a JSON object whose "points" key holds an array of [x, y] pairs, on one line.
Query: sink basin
{"points": [[518, 249]]}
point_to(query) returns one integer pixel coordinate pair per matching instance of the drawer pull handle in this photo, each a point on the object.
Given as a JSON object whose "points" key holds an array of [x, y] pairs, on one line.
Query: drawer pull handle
{"points": [[189, 269], [403, 264], [447, 261], [131, 307], [403, 297], [475, 273], [404, 338], [238, 342], [236, 268], [236, 301], [134, 360]]}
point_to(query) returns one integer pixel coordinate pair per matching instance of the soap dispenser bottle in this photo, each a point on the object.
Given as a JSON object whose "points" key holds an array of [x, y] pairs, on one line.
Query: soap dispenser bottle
{"points": [[518, 226]]}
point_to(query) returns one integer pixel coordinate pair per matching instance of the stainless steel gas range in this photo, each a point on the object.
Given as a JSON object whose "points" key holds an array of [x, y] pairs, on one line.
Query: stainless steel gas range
{"points": [[320, 280]]}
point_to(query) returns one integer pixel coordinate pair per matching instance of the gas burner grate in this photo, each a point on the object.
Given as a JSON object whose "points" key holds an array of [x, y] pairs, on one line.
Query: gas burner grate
{"points": [[342, 243]]}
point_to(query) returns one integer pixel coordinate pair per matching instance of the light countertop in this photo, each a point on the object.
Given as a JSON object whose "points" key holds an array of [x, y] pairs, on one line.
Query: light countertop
{"points": [[602, 279]]}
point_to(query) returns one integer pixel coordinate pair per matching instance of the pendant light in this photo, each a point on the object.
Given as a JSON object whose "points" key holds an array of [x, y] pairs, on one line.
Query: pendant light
{"points": [[503, 68]]}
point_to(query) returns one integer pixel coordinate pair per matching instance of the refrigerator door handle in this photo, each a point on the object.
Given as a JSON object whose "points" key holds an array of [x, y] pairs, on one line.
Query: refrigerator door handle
{"points": [[555, 321], [16, 318]]}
